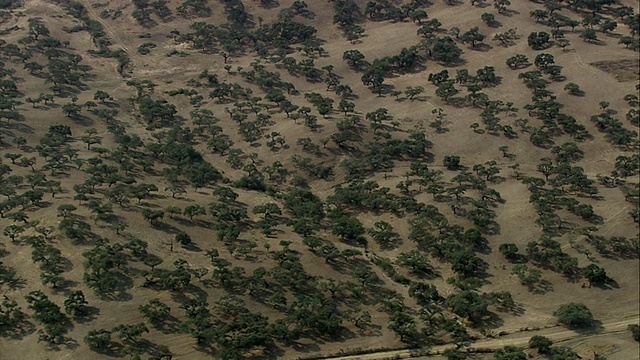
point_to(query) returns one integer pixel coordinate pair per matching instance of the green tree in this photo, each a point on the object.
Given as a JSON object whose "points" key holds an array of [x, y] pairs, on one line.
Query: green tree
{"points": [[473, 36], [510, 352], [348, 228], [75, 303], [595, 274], [354, 58], [155, 311], [574, 315], [130, 332], [635, 331], [589, 35], [509, 251], [541, 343], [194, 210], [413, 91], [98, 340], [102, 96], [183, 238], [538, 40], [468, 304]]}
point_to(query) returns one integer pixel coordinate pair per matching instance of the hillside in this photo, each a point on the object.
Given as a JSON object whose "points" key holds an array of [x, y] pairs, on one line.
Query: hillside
{"points": [[271, 179]]}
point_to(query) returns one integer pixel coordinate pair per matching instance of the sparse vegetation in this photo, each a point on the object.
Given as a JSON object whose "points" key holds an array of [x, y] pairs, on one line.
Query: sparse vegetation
{"points": [[235, 179]]}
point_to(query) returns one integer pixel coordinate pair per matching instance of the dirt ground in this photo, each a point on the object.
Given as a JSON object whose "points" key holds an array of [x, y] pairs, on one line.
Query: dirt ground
{"points": [[604, 71]]}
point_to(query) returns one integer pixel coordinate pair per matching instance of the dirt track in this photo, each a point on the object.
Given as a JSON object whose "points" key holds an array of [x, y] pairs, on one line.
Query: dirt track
{"points": [[558, 335]]}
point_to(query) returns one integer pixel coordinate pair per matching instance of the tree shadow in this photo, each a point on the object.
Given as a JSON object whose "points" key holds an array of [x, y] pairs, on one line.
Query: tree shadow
{"points": [[152, 349], [89, 314], [82, 120], [124, 283], [19, 331], [304, 347], [481, 47], [490, 321], [596, 328]]}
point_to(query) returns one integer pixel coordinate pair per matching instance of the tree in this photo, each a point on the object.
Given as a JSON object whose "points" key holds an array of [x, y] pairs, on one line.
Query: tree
{"points": [[404, 326], [489, 19], [501, 5], [412, 91], [540, 343], [130, 332], [468, 304], [445, 50], [354, 58], [542, 61], [71, 109], [98, 340], [539, 14], [608, 25], [635, 331], [183, 238], [155, 311], [101, 96], [589, 35], [538, 40], [446, 90], [510, 352], [574, 315], [451, 162], [454, 354], [573, 89], [518, 61], [382, 232], [473, 36], [152, 215], [75, 304], [194, 210], [348, 228], [509, 251], [595, 274]]}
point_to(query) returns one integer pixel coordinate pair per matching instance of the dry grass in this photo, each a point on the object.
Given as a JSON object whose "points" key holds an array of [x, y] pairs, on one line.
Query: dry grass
{"points": [[610, 80]]}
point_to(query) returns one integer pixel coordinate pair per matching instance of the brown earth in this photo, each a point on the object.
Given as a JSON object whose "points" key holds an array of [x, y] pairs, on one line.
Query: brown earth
{"points": [[605, 71]]}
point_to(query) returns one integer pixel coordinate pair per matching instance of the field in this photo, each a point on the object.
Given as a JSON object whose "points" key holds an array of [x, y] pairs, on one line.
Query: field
{"points": [[340, 179]]}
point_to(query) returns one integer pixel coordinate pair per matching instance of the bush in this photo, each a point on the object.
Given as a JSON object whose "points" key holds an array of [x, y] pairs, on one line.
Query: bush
{"points": [[635, 331], [574, 89], [183, 238], [541, 343], [574, 315], [510, 353]]}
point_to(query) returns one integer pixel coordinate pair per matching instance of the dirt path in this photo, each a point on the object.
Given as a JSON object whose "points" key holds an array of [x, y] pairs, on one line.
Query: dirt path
{"points": [[108, 27], [556, 336]]}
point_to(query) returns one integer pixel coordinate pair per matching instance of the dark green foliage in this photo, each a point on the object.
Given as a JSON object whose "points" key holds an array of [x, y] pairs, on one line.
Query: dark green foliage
{"points": [[445, 50], [473, 36], [130, 332], [98, 340], [510, 353], [155, 311], [574, 315], [452, 162], [49, 315], [509, 251], [11, 317], [635, 331], [548, 252], [540, 343], [183, 238], [538, 40], [468, 304], [75, 304], [304, 204], [595, 274]]}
